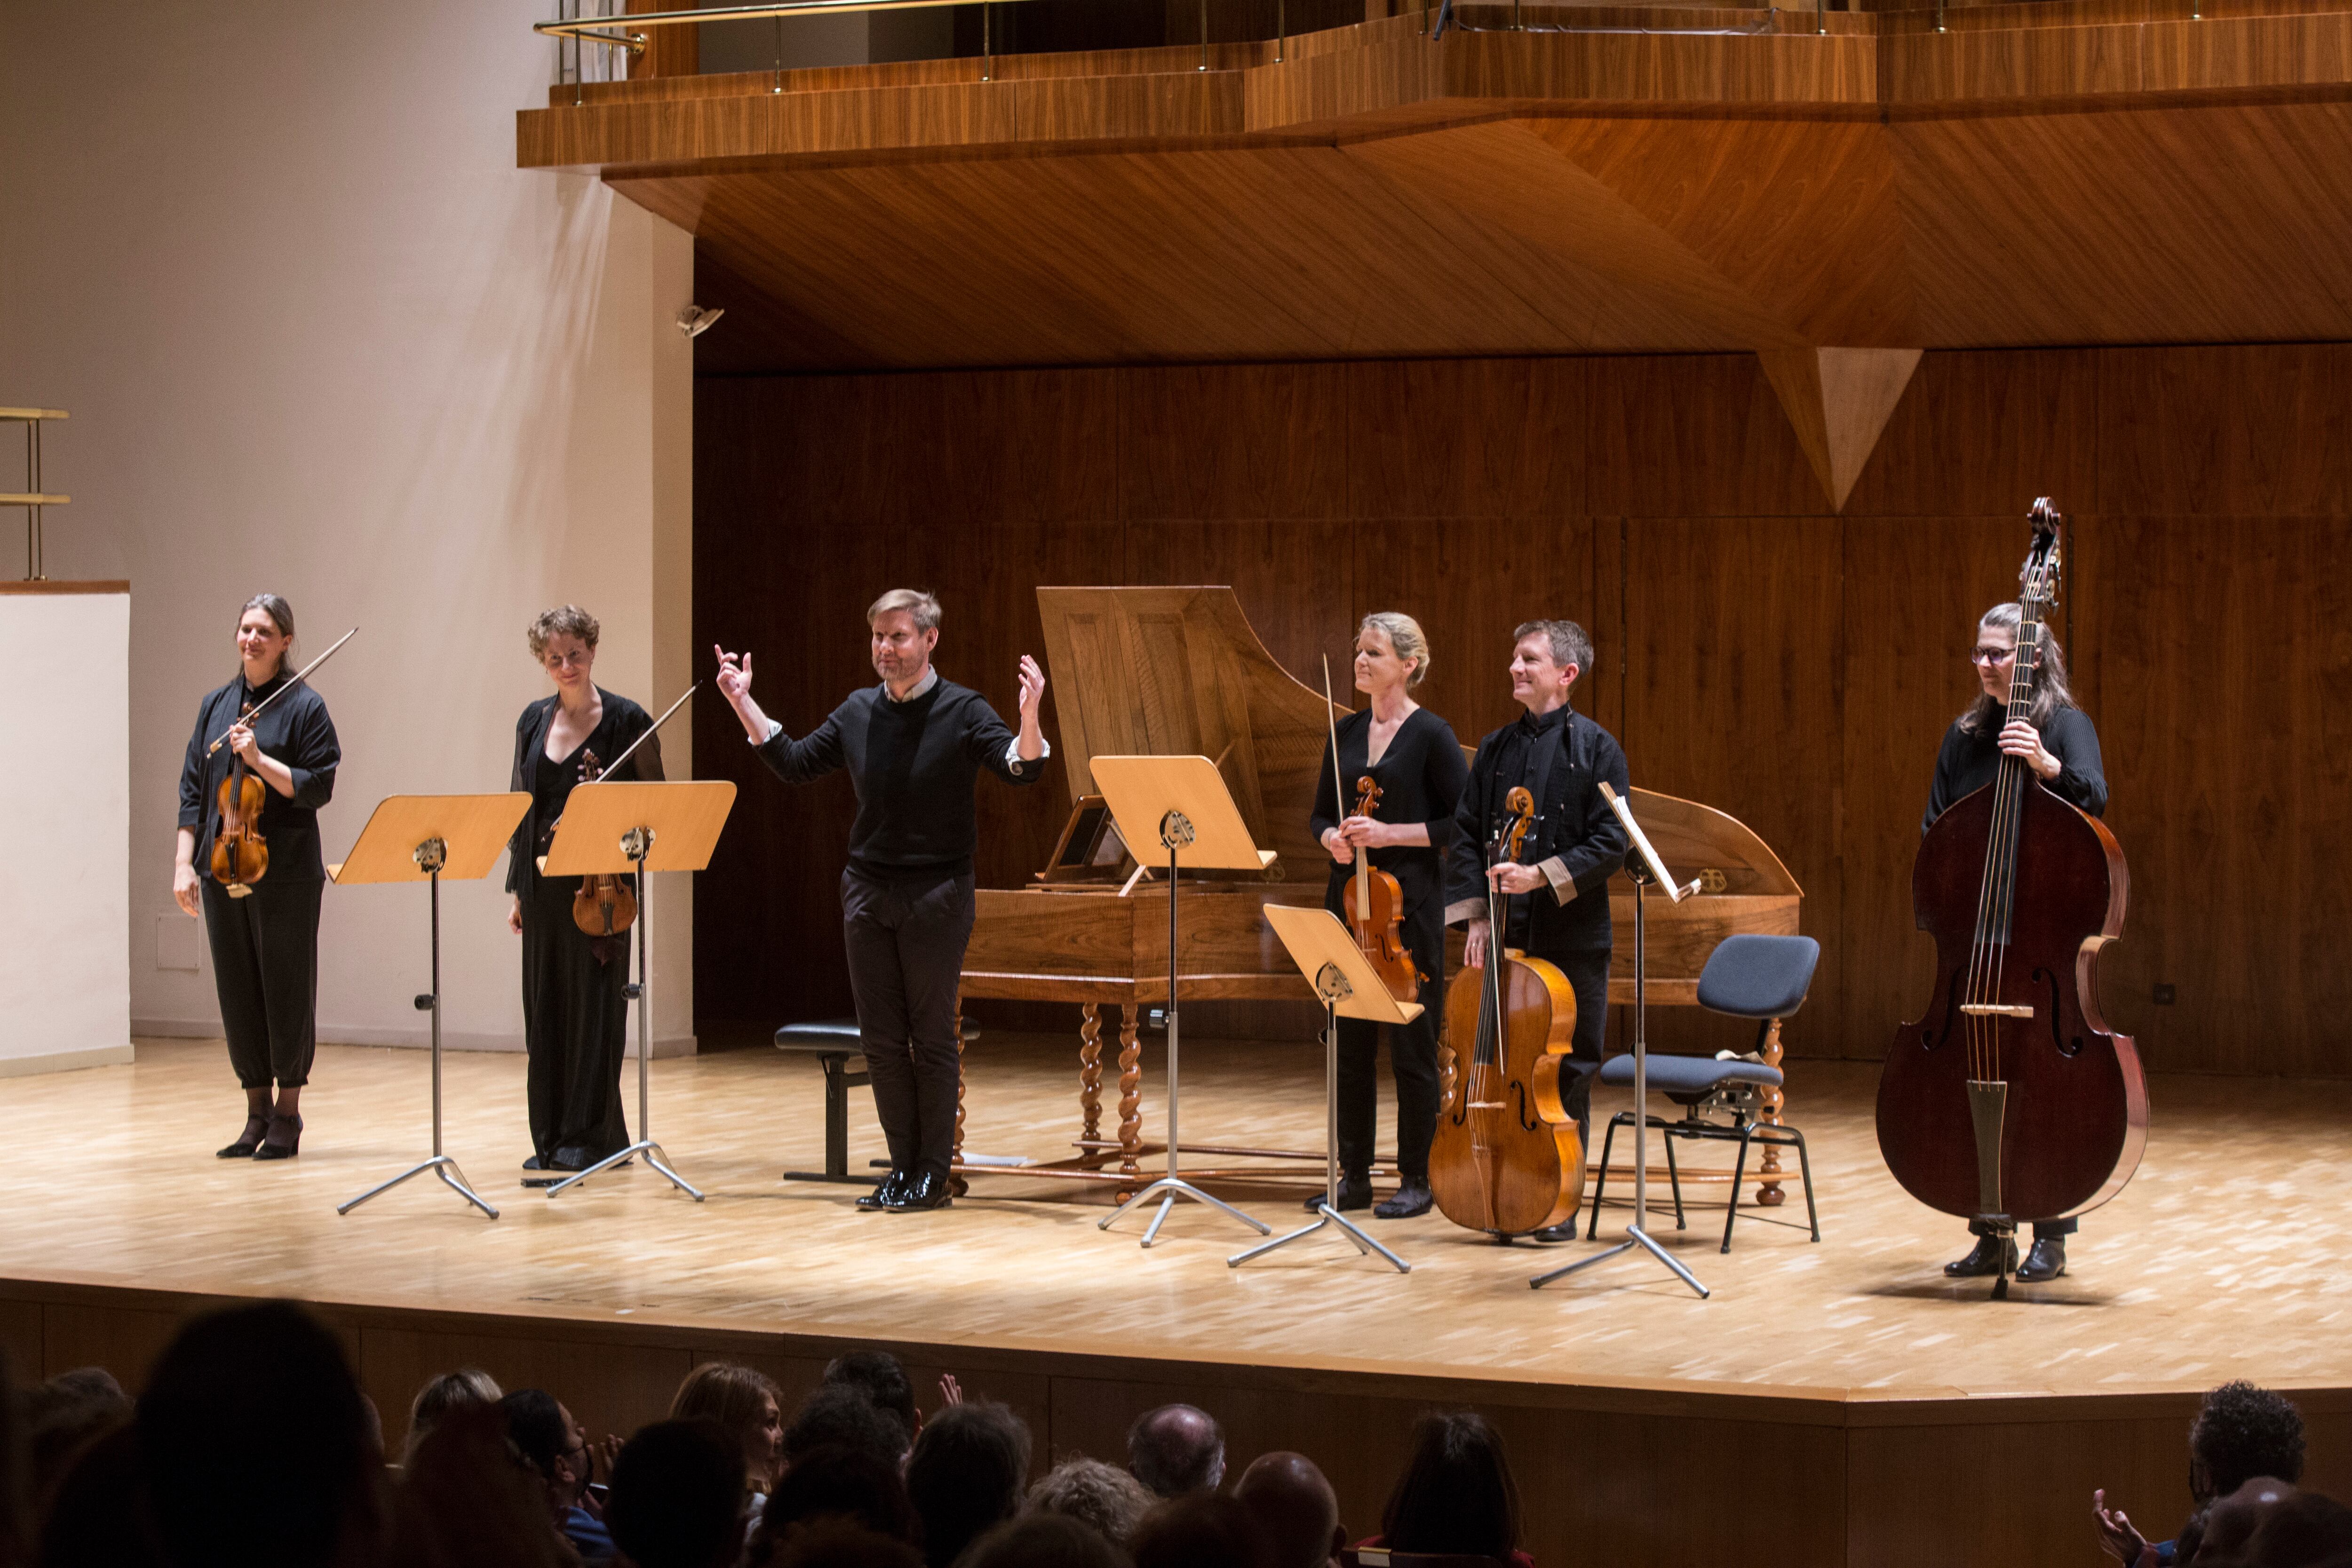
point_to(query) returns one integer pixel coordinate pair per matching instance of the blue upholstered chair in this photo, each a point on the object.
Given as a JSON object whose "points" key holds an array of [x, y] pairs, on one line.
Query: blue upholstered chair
{"points": [[1759, 977]]}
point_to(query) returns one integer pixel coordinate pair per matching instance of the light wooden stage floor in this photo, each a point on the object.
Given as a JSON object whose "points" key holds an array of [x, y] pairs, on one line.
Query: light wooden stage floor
{"points": [[2227, 1257]]}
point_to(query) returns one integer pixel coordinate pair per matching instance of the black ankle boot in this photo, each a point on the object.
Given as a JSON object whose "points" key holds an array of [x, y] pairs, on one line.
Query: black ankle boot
{"points": [[1411, 1199], [2045, 1262], [1988, 1257]]}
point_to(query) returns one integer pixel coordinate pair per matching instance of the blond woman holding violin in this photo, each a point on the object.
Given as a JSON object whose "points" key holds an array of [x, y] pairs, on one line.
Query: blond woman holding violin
{"points": [[574, 1008], [1411, 759], [249, 862]]}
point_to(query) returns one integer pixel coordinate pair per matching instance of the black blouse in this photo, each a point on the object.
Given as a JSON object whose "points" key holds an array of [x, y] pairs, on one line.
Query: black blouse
{"points": [[1421, 777], [1967, 763], [296, 732], [550, 784]]}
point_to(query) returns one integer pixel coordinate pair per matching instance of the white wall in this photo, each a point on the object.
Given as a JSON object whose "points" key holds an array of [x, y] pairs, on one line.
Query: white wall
{"points": [[65, 984], [319, 336]]}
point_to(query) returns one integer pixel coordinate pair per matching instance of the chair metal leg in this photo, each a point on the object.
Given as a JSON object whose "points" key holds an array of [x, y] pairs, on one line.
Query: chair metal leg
{"points": [[1738, 1174], [1607, 1143], [1805, 1164], [1674, 1176]]}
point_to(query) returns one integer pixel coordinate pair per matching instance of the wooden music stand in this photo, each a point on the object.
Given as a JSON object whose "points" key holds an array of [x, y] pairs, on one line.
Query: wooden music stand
{"points": [[423, 838], [1644, 870], [1326, 953], [609, 830], [1181, 803]]}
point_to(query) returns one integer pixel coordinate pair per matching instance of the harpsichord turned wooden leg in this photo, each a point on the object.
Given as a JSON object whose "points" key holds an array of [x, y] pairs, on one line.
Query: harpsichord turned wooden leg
{"points": [[1767, 1190], [1131, 1090], [956, 1184], [1090, 1083]]}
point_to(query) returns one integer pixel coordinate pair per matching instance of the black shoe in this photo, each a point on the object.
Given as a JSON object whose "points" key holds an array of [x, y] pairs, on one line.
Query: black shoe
{"points": [[1990, 1256], [1411, 1199], [1564, 1231], [247, 1141], [887, 1192], [1355, 1193], [285, 1140], [928, 1191], [2045, 1262]]}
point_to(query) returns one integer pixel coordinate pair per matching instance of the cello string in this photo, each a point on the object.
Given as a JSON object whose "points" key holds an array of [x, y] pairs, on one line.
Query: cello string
{"points": [[2020, 697]]}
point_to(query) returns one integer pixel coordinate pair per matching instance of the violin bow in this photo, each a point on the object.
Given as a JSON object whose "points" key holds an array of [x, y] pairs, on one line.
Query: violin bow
{"points": [[657, 724], [299, 676]]}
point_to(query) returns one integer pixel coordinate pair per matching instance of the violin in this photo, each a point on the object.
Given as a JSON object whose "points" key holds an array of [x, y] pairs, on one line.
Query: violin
{"points": [[240, 855], [1509, 1157], [2009, 1100], [1376, 910], [605, 905]]}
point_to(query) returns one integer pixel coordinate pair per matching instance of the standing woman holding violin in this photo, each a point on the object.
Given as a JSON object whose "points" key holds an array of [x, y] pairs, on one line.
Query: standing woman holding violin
{"points": [[249, 857], [1403, 826], [574, 1009]]}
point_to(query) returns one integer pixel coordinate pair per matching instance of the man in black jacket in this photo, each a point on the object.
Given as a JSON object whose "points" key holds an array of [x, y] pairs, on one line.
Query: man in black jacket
{"points": [[912, 745], [1556, 896]]}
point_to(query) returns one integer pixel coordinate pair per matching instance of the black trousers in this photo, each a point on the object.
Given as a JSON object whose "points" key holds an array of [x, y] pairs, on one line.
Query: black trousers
{"points": [[265, 950], [1588, 976], [575, 1019], [906, 936], [1412, 1061]]}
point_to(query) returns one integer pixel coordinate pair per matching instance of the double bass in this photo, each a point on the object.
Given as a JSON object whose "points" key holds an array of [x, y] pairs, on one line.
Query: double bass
{"points": [[1507, 1158], [2009, 1099]]}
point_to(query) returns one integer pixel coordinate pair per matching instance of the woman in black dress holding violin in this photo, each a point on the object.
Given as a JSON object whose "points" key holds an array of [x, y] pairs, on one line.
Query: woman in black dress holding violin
{"points": [[264, 939], [1411, 754], [574, 1011]]}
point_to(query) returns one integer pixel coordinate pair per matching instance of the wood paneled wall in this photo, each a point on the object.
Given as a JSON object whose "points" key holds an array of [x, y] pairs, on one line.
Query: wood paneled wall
{"points": [[1793, 668]]}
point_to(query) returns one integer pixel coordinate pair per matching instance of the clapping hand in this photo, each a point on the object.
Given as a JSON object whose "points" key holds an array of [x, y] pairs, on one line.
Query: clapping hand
{"points": [[2121, 1541]]}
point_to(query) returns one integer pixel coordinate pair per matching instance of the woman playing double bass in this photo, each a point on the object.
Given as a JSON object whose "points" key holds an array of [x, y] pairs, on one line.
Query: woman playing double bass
{"points": [[1414, 759], [2057, 742], [264, 937], [574, 1011]]}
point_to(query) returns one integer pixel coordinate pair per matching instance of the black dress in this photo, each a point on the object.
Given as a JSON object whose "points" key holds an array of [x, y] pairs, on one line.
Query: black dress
{"points": [[574, 1011], [265, 945], [1421, 777]]}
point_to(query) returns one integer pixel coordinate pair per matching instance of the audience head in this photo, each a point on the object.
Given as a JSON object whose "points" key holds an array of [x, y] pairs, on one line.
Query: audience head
{"points": [[837, 1416], [831, 1485], [62, 1417], [1102, 1496], [1176, 1449], [677, 1495], [1298, 1513], [747, 1403], [468, 1389], [1202, 1530], [884, 1381], [93, 1521], [2242, 1432], [470, 1500], [846, 1546], [1456, 1494], [965, 1475], [554, 1444], [254, 1443], [1044, 1541], [2225, 1533]]}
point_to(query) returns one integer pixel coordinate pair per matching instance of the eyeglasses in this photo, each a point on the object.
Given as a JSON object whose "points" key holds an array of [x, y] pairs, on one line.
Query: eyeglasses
{"points": [[1990, 655]]}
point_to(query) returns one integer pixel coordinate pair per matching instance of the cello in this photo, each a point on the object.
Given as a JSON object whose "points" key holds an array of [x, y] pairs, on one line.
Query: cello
{"points": [[1507, 1157], [2009, 1099]]}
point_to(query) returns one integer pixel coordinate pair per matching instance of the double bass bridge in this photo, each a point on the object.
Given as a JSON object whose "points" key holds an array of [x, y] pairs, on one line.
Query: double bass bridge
{"points": [[1996, 1009]]}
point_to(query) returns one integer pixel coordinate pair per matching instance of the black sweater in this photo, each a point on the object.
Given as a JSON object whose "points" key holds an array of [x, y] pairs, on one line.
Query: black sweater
{"points": [[1421, 777], [912, 764], [1967, 763], [296, 732]]}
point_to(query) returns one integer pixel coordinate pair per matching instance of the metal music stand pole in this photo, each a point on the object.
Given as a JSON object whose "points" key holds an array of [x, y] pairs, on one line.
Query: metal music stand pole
{"points": [[410, 838], [1183, 803], [1342, 979], [613, 829], [1643, 868]]}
